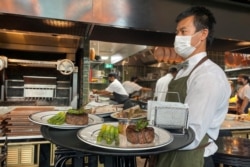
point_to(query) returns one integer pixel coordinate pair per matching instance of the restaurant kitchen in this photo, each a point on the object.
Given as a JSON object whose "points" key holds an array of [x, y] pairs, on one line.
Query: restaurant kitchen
{"points": [[44, 55]]}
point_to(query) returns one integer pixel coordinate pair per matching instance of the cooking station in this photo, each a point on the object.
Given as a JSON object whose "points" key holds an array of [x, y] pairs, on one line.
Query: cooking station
{"points": [[29, 86], [39, 82]]}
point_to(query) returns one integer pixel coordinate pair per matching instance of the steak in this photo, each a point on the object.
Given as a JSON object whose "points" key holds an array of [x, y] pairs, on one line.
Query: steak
{"points": [[143, 136], [77, 119]]}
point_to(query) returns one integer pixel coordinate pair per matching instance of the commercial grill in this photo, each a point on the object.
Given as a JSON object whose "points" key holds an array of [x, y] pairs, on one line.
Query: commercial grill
{"points": [[37, 82], [39, 87]]}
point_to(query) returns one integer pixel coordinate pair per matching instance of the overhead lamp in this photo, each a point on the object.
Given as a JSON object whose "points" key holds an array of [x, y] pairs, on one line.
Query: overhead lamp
{"points": [[105, 57], [243, 43], [59, 23]]}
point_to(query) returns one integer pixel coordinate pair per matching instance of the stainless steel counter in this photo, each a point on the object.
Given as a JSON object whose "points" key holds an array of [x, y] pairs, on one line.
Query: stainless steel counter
{"points": [[235, 125]]}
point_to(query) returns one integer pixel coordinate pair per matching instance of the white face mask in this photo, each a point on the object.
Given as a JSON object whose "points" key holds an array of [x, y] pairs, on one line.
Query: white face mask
{"points": [[183, 47]]}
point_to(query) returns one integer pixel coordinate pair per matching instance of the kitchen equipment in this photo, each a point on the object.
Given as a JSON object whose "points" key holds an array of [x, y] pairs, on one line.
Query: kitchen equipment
{"points": [[39, 87], [42, 83]]}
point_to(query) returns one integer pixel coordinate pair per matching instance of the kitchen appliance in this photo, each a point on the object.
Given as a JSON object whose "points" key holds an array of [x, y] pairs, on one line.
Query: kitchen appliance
{"points": [[38, 83]]}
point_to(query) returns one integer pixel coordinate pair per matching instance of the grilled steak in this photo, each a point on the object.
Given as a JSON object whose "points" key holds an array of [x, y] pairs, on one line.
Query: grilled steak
{"points": [[143, 136], [77, 119]]}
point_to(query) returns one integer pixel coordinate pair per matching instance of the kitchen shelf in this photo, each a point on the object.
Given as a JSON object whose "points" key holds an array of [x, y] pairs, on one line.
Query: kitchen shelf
{"points": [[61, 97], [16, 87], [63, 88], [151, 80], [97, 62], [237, 69], [232, 78], [97, 83]]}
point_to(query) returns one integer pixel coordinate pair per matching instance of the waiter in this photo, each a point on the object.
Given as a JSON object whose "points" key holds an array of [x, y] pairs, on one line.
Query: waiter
{"points": [[243, 94], [115, 87], [202, 85]]}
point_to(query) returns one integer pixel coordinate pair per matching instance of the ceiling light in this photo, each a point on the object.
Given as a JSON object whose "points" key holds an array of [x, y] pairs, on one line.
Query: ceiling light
{"points": [[243, 43], [105, 57], [59, 23]]}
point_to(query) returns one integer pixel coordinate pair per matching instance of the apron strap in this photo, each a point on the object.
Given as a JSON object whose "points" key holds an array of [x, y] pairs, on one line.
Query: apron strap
{"points": [[199, 63]]}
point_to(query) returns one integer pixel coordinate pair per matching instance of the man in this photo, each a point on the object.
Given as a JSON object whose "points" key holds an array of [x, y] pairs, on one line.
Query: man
{"points": [[161, 87], [243, 94], [118, 91], [202, 85], [132, 87]]}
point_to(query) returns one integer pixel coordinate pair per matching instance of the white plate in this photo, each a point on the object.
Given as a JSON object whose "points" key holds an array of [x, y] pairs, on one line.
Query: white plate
{"points": [[90, 133], [115, 115], [42, 118], [105, 111]]}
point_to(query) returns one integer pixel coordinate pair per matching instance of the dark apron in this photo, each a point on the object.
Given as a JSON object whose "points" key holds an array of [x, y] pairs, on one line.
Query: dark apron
{"points": [[123, 99], [183, 158], [240, 101]]}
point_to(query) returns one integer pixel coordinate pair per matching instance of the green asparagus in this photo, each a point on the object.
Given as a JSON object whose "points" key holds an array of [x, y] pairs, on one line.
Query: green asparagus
{"points": [[57, 119], [109, 134]]}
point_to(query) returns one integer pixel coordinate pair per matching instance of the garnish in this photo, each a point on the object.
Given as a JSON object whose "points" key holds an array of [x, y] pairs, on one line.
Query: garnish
{"points": [[76, 111], [141, 124]]}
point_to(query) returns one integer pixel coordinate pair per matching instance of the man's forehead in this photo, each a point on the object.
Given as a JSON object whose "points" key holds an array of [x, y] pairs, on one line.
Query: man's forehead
{"points": [[186, 23]]}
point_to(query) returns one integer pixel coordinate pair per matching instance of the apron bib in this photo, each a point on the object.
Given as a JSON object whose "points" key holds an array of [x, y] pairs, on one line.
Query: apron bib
{"points": [[177, 92], [123, 99]]}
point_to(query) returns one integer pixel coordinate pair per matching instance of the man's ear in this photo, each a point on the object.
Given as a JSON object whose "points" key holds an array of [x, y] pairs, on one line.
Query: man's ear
{"points": [[204, 34]]}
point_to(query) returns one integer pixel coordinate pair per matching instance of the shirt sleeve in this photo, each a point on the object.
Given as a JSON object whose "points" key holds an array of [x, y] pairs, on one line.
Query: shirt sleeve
{"points": [[247, 92]]}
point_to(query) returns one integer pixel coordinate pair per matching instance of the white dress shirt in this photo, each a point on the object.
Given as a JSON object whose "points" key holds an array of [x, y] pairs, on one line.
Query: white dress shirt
{"points": [[116, 87], [208, 91], [131, 87], [161, 87], [244, 91]]}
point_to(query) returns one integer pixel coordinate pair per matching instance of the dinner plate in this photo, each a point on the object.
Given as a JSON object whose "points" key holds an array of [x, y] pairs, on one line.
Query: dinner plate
{"points": [[90, 133], [42, 118], [139, 116], [105, 111]]}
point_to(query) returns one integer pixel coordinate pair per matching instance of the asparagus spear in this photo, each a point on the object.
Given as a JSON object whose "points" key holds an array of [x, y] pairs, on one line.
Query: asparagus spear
{"points": [[57, 119]]}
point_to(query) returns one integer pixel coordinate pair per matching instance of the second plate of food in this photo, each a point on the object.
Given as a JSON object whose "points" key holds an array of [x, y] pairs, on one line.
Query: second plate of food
{"points": [[139, 114]]}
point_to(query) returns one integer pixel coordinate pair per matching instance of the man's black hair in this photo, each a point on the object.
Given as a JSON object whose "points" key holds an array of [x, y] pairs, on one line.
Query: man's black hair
{"points": [[203, 19], [133, 79], [112, 74]]}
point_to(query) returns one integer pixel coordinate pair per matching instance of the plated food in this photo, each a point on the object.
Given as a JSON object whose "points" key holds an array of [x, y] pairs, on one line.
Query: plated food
{"points": [[105, 111], [71, 116], [90, 135], [140, 133], [131, 113], [108, 133], [244, 117], [43, 117], [76, 117]]}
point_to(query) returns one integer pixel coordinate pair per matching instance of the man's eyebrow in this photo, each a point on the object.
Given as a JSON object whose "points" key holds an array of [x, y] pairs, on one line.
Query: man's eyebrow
{"points": [[181, 29]]}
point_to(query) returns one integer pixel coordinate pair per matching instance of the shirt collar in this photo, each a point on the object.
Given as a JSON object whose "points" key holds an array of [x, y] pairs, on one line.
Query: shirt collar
{"points": [[192, 61], [195, 59]]}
